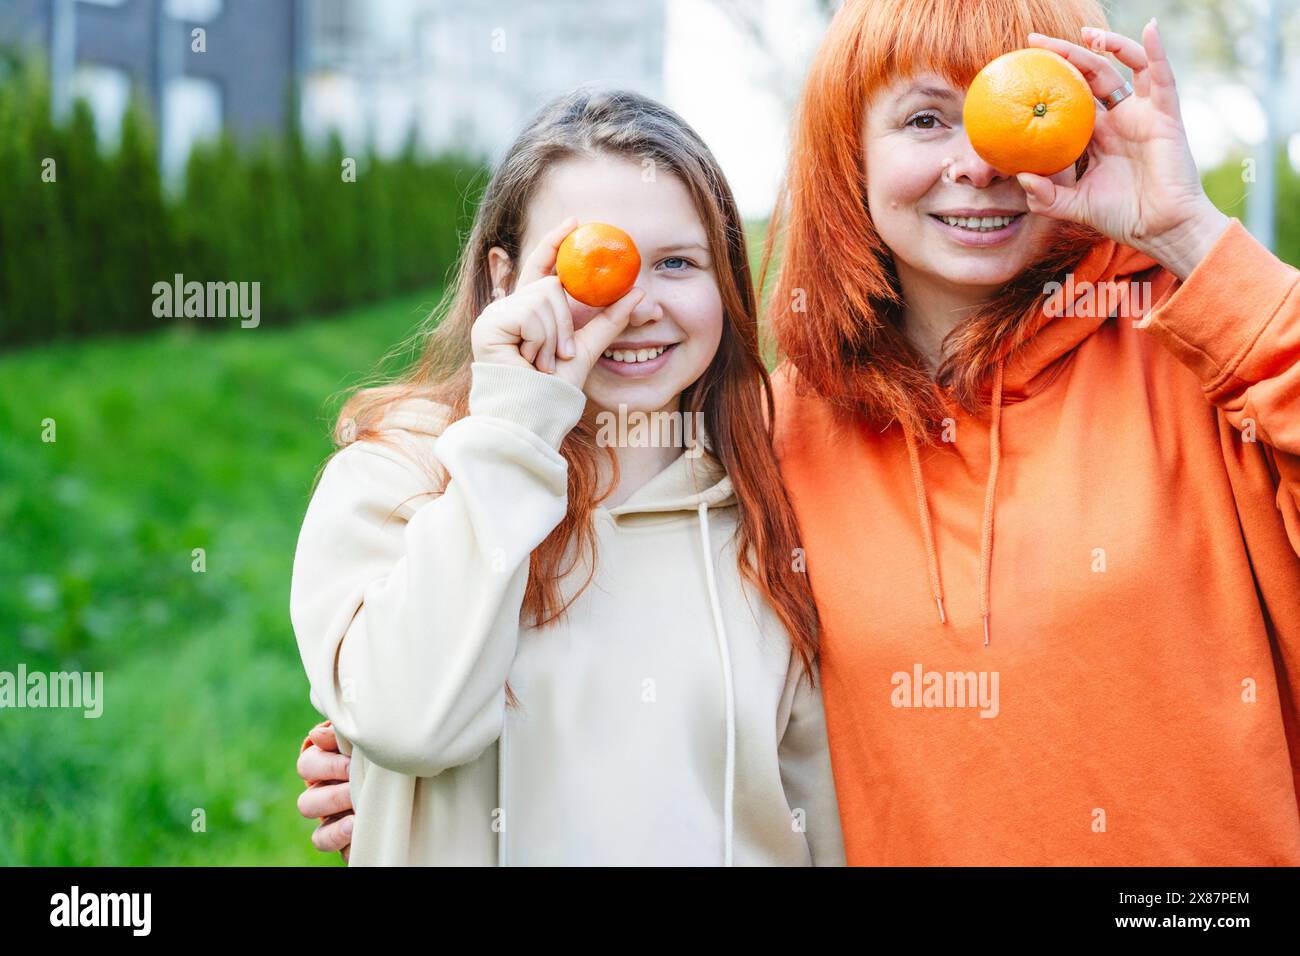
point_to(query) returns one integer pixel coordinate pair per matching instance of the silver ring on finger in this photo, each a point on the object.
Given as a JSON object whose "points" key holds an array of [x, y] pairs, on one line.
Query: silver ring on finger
{"points": [[1123, 93]]}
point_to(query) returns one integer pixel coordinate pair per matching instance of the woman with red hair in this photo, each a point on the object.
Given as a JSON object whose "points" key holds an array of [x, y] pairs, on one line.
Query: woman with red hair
{"points": [[1042, 436]]}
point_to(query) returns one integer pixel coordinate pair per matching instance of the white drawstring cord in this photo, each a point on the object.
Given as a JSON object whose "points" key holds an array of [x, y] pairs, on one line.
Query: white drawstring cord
{"points": [[501, 787], [724, 651]]}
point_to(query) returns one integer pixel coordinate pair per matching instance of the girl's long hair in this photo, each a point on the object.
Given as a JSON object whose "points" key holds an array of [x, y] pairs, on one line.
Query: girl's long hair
{"points": [[845, 338], [734, 394]]}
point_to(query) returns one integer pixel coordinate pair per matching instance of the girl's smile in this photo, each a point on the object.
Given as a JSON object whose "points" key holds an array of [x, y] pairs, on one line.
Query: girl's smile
{"points": [[635, 359]]}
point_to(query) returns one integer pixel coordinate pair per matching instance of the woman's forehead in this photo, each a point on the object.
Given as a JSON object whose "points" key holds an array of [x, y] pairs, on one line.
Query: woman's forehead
{"points": [[924, 83]]}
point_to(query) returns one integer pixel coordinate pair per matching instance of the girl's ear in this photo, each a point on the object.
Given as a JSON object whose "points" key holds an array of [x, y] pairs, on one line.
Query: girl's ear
{"points": [[501, 268]]}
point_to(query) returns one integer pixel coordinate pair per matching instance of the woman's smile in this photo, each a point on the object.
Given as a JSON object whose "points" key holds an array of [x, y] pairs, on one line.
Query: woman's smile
{"points": [[971, 227]]}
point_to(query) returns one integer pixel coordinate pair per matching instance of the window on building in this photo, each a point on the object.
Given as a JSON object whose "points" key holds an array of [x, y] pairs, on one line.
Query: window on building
{"points": [[191, 114], [106, 90], [333, 30], [194, 11]]}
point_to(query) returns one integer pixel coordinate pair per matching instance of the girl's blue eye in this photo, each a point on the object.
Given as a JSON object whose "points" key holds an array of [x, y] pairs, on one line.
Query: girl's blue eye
{"points": [[685, 263], [914, 121]]}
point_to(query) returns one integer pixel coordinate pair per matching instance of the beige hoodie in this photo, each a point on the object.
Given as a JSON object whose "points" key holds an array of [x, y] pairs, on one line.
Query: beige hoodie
{"points": [[664, 720]]}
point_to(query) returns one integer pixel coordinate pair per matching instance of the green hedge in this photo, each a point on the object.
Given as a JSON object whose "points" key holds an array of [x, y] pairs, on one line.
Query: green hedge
{"points": [[80, 255]]}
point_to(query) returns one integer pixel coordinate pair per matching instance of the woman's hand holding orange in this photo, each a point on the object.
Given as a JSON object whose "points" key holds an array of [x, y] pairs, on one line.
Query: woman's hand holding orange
{"points": [[1141, 187], [533, 325]]}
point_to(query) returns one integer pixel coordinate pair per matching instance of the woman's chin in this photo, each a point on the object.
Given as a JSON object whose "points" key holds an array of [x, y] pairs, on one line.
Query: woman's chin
{"points": [[981, 272]]}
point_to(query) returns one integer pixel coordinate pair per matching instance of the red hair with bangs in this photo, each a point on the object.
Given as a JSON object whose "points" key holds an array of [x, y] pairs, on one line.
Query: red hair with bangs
{"points": [[846, 341]]}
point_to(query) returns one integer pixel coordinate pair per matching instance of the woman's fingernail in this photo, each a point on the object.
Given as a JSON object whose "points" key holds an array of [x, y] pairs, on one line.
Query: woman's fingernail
{"points": [[346, 826]]}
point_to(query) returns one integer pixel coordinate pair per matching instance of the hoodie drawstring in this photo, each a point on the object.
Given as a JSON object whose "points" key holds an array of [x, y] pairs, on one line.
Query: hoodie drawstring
{"points": [[927, 532], [724, 651], [729, 696], [986, 527], [501, 787]]}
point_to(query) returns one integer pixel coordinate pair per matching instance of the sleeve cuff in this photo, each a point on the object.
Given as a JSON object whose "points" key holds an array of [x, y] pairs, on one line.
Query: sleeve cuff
{"points": [[1212, 319], [544, 404]]}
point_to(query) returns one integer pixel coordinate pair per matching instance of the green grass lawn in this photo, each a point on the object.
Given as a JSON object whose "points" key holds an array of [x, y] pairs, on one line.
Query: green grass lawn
{"points": [[166, 443]]}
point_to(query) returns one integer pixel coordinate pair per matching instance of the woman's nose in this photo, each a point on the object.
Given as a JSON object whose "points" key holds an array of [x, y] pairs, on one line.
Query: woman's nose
{"points": [[967, 168]]}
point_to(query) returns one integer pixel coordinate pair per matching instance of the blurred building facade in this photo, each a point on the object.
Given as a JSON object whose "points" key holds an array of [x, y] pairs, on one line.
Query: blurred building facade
{"points": [[200, 65], [464, 74], [452, 74]]}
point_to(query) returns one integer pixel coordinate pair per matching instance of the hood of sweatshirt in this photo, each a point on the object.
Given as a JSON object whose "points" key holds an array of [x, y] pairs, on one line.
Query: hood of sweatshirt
{"points": [[1099, 288], [693, 479]]}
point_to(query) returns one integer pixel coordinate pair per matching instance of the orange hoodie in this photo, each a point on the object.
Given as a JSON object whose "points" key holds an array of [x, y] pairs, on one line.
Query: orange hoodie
{"points": [[1071, 636]]}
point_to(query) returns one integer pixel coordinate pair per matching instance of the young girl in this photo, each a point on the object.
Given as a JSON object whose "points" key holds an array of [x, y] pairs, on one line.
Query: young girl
{"points": [[478, 538], [1043, 439]]}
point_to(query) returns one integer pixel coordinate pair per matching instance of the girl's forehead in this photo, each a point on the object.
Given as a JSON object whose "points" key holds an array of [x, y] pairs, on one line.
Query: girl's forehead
{"points": [[652, 205], [616, 184]]}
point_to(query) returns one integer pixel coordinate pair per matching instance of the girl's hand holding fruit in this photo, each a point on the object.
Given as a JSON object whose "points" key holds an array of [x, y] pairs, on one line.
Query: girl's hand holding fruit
{"points": [[533, 325]]}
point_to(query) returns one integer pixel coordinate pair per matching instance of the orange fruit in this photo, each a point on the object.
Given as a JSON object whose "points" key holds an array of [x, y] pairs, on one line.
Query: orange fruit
{"points": [[1029, 111], [598, 264]]}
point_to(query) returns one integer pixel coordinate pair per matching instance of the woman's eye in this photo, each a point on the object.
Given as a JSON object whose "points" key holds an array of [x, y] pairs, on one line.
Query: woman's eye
{"points": [[683, 263], [924, 121]]}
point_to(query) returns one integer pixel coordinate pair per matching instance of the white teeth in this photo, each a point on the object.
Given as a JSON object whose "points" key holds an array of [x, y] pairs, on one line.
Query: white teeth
{"points": [[978, 223], [634, 356]]}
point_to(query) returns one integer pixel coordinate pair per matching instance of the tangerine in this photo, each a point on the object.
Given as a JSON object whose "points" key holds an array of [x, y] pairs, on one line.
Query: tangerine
{"points": [[1029, 111], [598, 264]]}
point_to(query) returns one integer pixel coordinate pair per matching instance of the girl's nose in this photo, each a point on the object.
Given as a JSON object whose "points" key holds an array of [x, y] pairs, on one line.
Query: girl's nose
{"points": [[647, 310]]}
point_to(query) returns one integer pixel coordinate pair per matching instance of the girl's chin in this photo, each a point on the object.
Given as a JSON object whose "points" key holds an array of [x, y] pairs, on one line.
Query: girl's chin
{"points": [[629, 400]]}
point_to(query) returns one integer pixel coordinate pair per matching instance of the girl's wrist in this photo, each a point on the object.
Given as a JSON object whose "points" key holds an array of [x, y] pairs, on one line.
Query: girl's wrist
{"points": [[545, 404]]}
